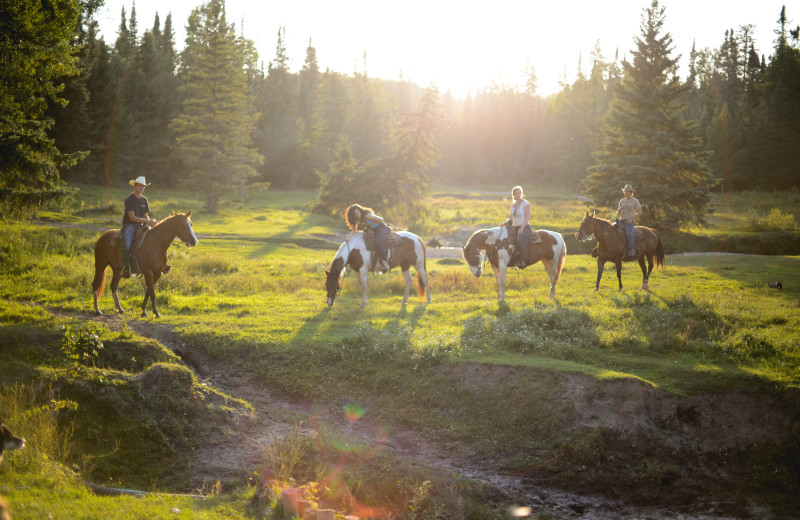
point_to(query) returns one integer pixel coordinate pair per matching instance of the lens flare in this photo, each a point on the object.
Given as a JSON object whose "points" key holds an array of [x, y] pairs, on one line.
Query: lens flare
{"points": [[353, 412], [520, 511]]}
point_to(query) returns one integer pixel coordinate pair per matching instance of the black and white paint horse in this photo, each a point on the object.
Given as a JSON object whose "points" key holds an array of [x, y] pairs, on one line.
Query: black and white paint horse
{"points": [[494, 241], [410, 251]]}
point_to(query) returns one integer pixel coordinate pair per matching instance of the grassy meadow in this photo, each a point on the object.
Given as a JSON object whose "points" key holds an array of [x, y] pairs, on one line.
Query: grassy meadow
{"points": [[467, 373]]}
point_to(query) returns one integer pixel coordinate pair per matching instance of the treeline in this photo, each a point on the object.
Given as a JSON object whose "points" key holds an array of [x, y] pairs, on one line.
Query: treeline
{"points": [[141, 106]]}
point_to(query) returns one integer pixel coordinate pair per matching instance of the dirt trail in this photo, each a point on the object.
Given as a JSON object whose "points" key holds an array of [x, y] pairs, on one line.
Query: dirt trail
{"points": [[240, 451]]}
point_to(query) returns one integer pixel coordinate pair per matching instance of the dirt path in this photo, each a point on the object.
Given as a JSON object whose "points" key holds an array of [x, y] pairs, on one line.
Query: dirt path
{"points": [[240, 451]]}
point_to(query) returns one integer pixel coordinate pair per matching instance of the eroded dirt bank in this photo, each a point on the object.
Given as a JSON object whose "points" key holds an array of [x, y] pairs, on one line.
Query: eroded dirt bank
{"points": [[709, 443]]}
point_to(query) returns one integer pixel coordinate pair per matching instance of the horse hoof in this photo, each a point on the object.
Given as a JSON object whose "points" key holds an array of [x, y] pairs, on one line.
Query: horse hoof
{"points": [[98, 313], [156, 315]]}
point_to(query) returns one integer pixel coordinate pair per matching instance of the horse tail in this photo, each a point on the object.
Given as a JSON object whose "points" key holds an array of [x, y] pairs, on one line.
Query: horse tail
{"points": [[562, 259], [100, 264], [659, 250], [420, 281]]}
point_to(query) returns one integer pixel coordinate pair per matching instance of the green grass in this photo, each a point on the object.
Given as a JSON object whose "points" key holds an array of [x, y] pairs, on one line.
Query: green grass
{"points": [[252, 294]]}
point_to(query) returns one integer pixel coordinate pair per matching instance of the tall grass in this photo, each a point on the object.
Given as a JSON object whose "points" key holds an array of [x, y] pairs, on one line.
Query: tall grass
{"points": [[35, 417]]}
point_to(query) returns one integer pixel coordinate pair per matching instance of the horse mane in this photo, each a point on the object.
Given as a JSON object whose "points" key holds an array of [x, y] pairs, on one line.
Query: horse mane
{"points": [[171, 217], [602, 221]]}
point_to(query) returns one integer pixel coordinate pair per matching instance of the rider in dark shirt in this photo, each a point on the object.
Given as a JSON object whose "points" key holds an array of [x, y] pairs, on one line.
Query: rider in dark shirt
{"points": [[136, 214]]}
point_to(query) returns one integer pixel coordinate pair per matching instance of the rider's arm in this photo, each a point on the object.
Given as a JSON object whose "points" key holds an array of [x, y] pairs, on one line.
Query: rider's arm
{"points": [[374, 217], [138, 220]]}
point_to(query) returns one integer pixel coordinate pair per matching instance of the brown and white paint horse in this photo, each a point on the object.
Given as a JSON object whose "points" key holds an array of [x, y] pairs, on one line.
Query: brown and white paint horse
{"points": [[494, 241], [354, 253]]}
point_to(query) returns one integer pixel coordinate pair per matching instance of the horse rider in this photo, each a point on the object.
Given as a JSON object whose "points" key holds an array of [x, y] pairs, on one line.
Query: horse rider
{"points": [[628, 211], [520, 216], [135, 216], [359, 216]]}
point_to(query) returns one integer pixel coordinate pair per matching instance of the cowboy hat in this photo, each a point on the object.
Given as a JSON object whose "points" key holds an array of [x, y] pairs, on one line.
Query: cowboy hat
{"points": [[138, 180], [627, 187]]}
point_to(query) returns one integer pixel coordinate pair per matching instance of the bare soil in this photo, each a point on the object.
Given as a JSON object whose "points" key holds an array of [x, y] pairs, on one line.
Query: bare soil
{"points": [[698, 431]]}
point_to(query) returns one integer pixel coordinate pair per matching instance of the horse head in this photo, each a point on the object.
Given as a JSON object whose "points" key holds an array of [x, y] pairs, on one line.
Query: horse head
{"points": [[333, 279], [333, 285], [472, 252], [182, 228], [586, 228]]}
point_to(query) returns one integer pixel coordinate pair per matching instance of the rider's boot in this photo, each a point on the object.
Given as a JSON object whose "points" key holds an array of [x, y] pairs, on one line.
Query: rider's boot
{"points": [[523, 256], [126, 264]]}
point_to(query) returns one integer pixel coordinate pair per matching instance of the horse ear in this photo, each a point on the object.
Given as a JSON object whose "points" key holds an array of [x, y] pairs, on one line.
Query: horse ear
{"points": [[327, 273], [593, 212], [173, 212], [189, 214]]}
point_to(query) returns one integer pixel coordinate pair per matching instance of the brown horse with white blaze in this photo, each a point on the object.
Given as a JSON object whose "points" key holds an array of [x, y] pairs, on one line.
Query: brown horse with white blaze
{"points": [[152, 258], [612, 247]]}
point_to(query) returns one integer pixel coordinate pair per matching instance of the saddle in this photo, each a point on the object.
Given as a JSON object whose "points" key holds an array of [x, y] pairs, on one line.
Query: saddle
{"points": [[117, 242], [533, 238], [392, 240], [637, 236]]}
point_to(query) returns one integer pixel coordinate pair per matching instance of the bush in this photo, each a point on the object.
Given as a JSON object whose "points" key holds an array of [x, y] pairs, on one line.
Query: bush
{"points": [[777, 220]]}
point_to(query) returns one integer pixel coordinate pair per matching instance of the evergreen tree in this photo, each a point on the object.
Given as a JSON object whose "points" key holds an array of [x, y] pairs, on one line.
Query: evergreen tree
{"points": [[214, 129], [344, 180], [36, 50], [778, 153], [277, 128], [406, 182], [153, 103], [648, 142]]}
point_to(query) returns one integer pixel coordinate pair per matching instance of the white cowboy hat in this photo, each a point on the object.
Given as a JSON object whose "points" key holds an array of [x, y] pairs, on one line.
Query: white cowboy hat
{"points": [[627, 187], [138, 180]]}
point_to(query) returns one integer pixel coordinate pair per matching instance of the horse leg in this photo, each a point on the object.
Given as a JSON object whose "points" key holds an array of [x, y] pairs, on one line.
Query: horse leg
{"points": [[649, 270], [644, 273], [619, 274], [550, 268], [422, 274], [500, 277], [407, 277], [362, 280], [600, 266], [115, 278], [148, 285], [97, 286], [156, 276]]}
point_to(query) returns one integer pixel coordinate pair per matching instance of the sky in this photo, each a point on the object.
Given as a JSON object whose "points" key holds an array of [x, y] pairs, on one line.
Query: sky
{"points": [[463, 46]]}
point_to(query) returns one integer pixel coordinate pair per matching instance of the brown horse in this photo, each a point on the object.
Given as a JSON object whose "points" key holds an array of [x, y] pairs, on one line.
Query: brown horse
{"points": [[152, 257], [612, 247]]}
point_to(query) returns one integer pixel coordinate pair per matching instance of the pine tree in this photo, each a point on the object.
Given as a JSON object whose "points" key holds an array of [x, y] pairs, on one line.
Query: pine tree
{"points": [[648, 143], [406, 181], [36, 51], [779, 130], [278, 129], [214, 129]]}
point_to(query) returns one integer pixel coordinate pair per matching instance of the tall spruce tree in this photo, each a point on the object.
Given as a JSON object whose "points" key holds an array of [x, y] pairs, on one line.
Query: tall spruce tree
{"points": [[405, 182], [214, 130], [36, 53], [648, 143], [778, 150]]}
